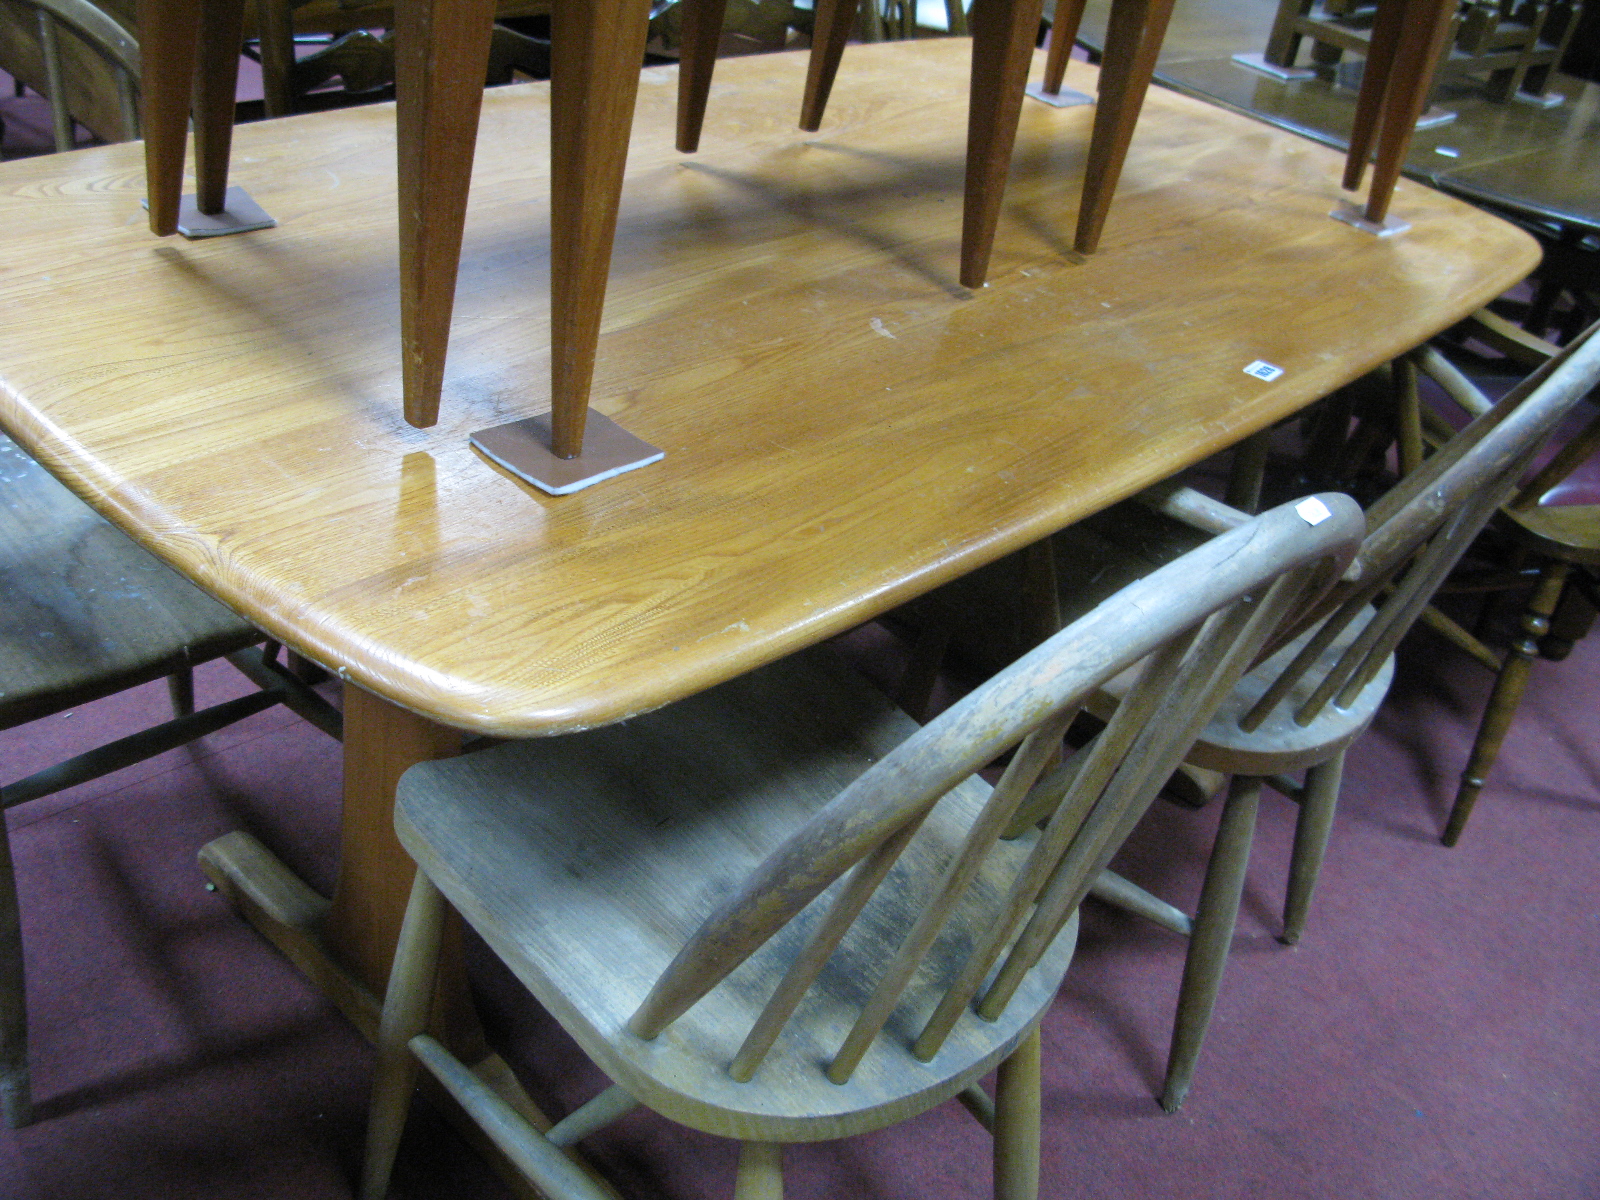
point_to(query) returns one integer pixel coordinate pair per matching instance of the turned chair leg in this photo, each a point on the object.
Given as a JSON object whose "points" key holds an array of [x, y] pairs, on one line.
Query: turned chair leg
{"points": [[15, 1102], [405, 1015], [1017, 1115], [1211, 937], [1507, 695], [760, 1174], [1318, 801]]}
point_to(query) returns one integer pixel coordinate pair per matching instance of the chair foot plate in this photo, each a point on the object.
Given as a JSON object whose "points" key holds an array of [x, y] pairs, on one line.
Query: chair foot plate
{"points": [[1354, 215], [523, 448], [1065, 98], [1258, 62], [240, 214]]}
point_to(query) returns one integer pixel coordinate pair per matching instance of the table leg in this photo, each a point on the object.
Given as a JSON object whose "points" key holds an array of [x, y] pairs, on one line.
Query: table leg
{"points": [[1003, 34], [169, 46], [1133, 41], [596, 52], [441, 60]]}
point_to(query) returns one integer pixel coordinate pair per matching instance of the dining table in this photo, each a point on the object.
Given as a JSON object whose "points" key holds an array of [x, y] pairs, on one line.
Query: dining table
{"points": [[845, 426]]}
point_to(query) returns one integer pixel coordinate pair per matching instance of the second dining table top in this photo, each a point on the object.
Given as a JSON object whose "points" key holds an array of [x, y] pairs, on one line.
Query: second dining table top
{"points": [[845, 426]]}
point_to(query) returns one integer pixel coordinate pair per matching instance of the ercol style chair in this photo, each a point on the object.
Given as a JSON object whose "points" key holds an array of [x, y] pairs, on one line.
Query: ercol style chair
{"points": [[1552, 527], [110, 39], [87, 613], [1300, 709], [781, 911]]}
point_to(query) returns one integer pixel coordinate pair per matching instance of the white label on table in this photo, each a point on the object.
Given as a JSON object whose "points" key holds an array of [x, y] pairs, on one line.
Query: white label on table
{"points": [[1263, 371], [1314, 511]]}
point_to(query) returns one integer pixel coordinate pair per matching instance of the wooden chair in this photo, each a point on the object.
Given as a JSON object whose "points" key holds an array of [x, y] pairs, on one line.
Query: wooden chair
{"points": [[88, 613], [652, 883], [1299, 710], [1554, 545], [111, 41]]}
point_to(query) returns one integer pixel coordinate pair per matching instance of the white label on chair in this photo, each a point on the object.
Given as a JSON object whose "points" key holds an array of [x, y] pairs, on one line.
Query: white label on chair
{"points": [[1314, 511], [1263, 371]]}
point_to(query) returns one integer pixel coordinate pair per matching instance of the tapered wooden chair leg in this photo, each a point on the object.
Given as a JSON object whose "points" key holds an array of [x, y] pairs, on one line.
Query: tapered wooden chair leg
{"points": [[1003, 33], [15, 1099], [699, 35], [1133, 41], [1415, 59], [180, 691], [1017, 1116], [169, 45], [216, 85], [1370, 101], [760, 1174], [596, 52], [1507, 695], [1211, 938], [830, 30], [405, 1014], [441, 60], [1318, 802], [1063, 36]]}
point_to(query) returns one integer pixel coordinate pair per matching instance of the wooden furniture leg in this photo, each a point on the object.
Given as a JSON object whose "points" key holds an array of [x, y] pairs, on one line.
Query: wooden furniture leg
{"points": [[169, 45], [1318, 801], [1017, 1115], [596, 51], [830, 30], [1283, 43], [1410, 80], [1507, 695], [1386, 25], [1133, 40], [1063, 36], [1212, 936], [760, 1172], [16, 1104], [275, 29], [697, 59], [1003, 33], [441, 58], [216, 83]]}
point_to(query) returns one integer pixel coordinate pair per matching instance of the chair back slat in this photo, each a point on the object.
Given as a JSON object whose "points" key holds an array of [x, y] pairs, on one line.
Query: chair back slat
{"points": [[1198, 623]]}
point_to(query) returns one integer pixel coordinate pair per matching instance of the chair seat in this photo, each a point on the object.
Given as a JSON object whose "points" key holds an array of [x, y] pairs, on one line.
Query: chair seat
{"points": [[1565, 532], [87, 612], [587, 861]]}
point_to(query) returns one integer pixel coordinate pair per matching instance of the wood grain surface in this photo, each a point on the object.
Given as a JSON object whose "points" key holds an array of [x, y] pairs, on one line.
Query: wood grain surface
{"points": [[845, 426]]}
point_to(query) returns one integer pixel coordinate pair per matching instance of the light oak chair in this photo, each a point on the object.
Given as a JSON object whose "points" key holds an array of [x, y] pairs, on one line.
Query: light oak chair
{"points": [[117, 49], [87, 613], [780, 910], [1299, 710], [1550, 533]]}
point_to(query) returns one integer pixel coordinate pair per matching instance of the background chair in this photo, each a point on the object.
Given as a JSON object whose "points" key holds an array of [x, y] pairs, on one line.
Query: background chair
{"points": [[89, 68], [1302, 708], [87, 613], [652, 883]]}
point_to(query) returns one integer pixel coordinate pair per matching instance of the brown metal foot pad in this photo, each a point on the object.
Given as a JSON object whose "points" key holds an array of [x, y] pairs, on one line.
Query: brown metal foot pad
{"points": [[523, 448]]}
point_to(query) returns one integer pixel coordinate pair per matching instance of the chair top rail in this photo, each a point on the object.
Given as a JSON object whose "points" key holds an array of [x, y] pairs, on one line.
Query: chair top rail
{"points": [[107, 34]]}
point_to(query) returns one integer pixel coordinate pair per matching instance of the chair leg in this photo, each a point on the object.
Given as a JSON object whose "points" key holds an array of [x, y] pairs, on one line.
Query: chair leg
{"points": [[1318, 800], [1133, 40], [832, 21], [169, 46], [180, 690], [216, 83], [1003, 33], [15, 1103], [405, 1014], [1211, 938], [760, 1174], [1017, 1105], [699, 36], [441, 60], [1507, 695], [1416, 60], [1063, 36], [1381, 45]]}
